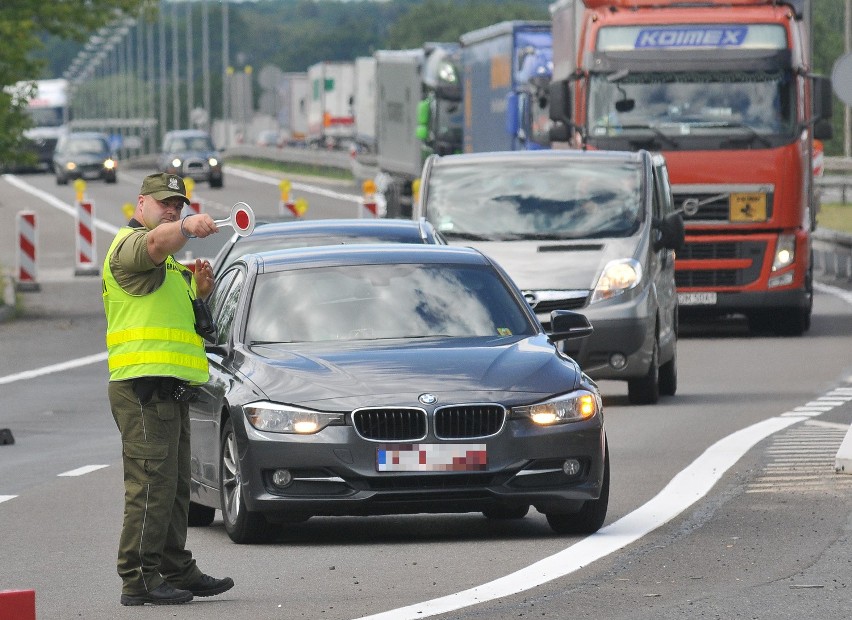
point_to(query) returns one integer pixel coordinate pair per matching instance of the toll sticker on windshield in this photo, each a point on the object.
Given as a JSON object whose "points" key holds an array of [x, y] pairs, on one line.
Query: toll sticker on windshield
{"points": [[748, 207], [504, 331], [431, 457]]}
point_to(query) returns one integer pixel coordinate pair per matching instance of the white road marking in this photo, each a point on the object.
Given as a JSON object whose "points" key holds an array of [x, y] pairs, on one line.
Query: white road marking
{"points": [[313, 189], [6, 498], [46, 370], [685, 489], [82, 471]]}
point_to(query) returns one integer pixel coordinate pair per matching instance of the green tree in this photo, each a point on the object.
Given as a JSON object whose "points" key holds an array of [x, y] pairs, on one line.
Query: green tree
{"points": [[446, 20], [23, 24]]}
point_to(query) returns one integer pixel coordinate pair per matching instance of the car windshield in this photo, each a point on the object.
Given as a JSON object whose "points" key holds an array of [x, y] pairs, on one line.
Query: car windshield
{"points": [[511, 199], [197, 143], [82, 146], [372, 302]]}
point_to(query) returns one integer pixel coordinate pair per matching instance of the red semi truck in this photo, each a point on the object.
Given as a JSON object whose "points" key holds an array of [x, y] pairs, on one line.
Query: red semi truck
{"points": [[724, 89]]}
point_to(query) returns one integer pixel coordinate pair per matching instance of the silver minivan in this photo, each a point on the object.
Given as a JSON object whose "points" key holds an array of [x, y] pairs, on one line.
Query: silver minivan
{"points": [[589, 231]]}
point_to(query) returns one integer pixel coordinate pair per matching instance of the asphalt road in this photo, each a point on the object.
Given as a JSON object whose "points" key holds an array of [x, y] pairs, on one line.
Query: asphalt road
{"points": [[724, 500]]}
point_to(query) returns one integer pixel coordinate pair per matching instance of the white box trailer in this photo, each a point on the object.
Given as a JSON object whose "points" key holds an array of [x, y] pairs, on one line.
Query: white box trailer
{"points": [[331, 118], [365, 102], [293, 115]]}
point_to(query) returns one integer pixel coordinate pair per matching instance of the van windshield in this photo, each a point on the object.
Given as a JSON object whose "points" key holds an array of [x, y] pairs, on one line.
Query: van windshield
{"points": [[500, 200]]}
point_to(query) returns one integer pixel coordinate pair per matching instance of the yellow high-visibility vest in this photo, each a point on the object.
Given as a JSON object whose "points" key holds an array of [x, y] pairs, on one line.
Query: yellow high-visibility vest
{"points": [[152, 335]]}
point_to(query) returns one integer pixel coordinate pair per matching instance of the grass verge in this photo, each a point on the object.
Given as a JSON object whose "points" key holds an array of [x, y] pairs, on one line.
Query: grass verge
{"points": [[835, 216], [292, 168]]}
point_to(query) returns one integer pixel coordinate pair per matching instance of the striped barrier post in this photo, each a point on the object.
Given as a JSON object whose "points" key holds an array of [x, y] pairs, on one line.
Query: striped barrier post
{"points": [[17, 605], [86, 261], [25, 264], [194, 207], [368, 207]]}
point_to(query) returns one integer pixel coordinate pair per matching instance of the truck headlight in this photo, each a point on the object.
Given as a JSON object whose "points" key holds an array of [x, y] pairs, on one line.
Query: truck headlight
{"points": [[573, 407], [278, 418], [785, 252], [617, 277]]}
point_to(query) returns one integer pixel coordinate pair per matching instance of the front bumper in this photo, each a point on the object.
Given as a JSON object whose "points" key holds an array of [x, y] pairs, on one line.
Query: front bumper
{"points": [[335, 473]]}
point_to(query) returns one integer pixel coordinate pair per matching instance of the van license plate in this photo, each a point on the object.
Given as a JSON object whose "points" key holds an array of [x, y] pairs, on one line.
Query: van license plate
{"points": [[696, 299]]}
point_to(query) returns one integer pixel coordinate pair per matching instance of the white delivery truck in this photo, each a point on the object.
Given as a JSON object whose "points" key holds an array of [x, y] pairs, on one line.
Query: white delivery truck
{"points": [[331, 118]]}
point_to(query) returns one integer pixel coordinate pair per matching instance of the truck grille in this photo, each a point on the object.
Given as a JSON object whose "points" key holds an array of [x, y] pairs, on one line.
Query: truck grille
{"points": [[468, 421], [753, 251], [390, 424]]}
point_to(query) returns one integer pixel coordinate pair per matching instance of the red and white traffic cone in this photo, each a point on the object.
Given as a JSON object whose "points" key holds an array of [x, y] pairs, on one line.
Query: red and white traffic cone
{"points": [[26, 266]]}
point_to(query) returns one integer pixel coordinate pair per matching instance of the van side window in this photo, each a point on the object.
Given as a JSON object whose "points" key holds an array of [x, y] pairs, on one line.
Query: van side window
{"points": [[661, 177]]}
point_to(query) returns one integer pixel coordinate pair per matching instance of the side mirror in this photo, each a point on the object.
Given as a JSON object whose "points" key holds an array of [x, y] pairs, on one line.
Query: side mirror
{"points": [[672, 232], [559, 95], [565, 325]]}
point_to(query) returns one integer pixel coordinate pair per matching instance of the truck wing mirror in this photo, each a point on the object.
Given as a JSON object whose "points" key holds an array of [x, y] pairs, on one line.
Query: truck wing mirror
{"points": [[565, 325], [559, 95]]}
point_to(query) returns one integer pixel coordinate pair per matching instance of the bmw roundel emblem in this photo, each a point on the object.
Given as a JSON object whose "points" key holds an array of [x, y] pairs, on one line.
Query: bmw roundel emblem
{"points": [[428, 399]]}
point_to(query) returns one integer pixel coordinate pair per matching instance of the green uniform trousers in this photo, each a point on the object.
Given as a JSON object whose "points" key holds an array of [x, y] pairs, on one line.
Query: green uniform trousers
{"points": [[155, 453]]}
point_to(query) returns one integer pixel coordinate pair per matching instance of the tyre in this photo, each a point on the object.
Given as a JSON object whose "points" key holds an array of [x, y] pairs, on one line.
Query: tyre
{"points": [[646, 390], [243, 526], [200, 516], [791, 321], [668, 375], [591, 516], [504, 513]]}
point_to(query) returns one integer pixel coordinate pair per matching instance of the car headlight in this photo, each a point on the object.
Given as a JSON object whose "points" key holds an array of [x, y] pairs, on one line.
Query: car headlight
{"points": [[70, 166], [617, 277], [278, 418], [176, 162], [213, 162], [573, 407], [109, 164], [785, 252]]}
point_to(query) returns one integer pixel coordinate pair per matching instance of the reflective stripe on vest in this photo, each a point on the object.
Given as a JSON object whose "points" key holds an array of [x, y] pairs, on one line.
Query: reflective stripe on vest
{"points": [[153, 334]]}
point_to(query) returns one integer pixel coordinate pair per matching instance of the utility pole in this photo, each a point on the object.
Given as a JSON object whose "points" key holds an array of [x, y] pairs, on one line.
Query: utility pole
{"points": [[847, 116]]}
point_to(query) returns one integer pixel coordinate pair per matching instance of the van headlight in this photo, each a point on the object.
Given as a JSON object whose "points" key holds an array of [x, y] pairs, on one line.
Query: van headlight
{"points": [[279, 418], [617, 277]]}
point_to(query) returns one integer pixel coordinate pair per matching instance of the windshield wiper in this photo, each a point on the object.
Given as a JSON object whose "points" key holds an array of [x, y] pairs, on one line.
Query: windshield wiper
{"points": [[662, 136], [750, 138], [466, 235]]}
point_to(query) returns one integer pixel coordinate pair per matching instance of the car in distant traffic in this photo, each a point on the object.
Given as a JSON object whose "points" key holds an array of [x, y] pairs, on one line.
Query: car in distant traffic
{"points": [[84, 155], [590, 231], [390, 379], [190, 153], [302, 233]]}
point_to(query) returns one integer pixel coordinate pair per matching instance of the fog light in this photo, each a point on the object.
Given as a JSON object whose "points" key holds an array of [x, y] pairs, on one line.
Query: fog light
{"points": [[282, 478], [783, 280], [618, 361], [571, 467]]}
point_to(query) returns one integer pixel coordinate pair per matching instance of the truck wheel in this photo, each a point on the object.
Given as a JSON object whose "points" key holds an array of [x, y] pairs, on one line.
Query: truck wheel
{"points": [[591, 516], [791, 321], [646, 390], [200, 516], [243, 526]]}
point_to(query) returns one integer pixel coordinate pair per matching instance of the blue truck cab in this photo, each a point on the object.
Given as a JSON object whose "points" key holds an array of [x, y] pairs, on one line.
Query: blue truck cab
{"points": [[506, 70]]}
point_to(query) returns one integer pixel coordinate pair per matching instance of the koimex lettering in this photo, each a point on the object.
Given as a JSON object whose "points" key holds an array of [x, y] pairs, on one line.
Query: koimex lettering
{"points": [[691, 37]]}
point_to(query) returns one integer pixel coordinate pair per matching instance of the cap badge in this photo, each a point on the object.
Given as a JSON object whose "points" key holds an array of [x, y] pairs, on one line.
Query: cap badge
{"points": [[173, 183]]}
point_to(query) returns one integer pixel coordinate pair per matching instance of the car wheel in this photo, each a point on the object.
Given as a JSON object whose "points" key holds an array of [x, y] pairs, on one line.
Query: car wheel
{"points": [[646, 390], [506, 512], [200, 516], [591, 516], [242, 525], [216, 182], [61, 180], [668, 375]]}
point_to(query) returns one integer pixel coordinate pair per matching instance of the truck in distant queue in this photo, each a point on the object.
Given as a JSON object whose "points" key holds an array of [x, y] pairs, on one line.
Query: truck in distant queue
{"points": [[724, 89], [506, 70], [331, 118], [49, 113]]}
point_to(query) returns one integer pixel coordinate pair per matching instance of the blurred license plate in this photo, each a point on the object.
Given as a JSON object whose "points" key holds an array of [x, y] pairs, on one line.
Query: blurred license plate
{"points": [[431, 457], [696, 299]]}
